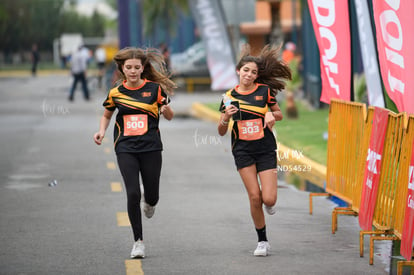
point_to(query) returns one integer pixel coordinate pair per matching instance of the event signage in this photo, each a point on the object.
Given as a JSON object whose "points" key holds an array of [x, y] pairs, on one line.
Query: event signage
{"points": [[369, 54], [330, 21], [373, 168], [395, 42], [209, 17]]}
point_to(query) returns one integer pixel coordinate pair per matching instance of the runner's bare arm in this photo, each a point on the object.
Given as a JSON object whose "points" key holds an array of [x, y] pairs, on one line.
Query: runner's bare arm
{"points": [[274, 115], [167, 112], [103, 125], [225, 118]]}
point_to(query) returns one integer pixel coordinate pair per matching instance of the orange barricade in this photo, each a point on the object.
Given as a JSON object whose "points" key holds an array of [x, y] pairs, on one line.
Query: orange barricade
{"points": [[362, 160], [403, 174], [403, 177], [348, 131], [384, 217], [346, 126], [405, 157], [358, 179]]}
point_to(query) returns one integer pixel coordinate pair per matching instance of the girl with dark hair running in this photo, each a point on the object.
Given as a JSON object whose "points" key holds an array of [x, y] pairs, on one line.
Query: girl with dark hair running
{"points": [[253, 142], [140, 99]]}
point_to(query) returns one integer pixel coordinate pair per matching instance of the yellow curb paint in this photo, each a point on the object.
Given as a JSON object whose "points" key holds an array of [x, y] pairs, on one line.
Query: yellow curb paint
{"points": [[110, 165], [122, 219], [203, 112], [133, 267], [116, 186], [199, 110], [24, 73], [107, 150]]}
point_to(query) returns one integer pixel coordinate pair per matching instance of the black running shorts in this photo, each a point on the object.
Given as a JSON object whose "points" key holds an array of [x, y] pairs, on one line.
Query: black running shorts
{"points": [[263, 161]]}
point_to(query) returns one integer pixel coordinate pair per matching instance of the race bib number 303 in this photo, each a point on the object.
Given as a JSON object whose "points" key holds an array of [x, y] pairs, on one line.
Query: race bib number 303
{"points": [[135, 125], [250, 129]]}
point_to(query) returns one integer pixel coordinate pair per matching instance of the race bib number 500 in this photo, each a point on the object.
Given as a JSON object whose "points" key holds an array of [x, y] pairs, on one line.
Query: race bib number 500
{"points": [[250, 129], [135, 125]]}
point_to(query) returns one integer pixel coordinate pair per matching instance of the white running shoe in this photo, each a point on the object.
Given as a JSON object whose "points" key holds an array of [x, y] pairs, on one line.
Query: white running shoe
{"points": [[149, 210], [138, 250], [262, 249], [271, 210]]}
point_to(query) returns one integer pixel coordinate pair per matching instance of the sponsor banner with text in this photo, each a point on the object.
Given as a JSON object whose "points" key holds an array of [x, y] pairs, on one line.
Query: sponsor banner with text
{"points": [[330, 20], [373, 168], [395, 41]]}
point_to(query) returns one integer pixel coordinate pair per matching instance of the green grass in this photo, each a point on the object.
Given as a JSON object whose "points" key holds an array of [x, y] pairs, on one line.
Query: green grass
{"points": [[304, 134]]}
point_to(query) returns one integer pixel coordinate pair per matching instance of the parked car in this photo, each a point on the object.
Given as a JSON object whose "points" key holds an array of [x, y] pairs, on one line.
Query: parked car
{"points": [[191, 62]]}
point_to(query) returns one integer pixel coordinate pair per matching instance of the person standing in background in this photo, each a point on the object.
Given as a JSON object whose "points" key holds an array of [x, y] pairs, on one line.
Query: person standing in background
{"points": [[79, 66], [100, 58], [166, 53], [35, 59], [289, 52]]}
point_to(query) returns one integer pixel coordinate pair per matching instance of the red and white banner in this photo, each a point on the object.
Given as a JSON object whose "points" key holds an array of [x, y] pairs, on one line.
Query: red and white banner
{"points": [[373, 168], [330, 21], [395, 40], [408, 229]]}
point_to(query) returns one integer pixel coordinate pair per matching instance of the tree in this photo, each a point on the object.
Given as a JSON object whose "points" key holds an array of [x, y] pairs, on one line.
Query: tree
{"points": [[162, 13], [96, 25], [112, 3], [24, 22]]}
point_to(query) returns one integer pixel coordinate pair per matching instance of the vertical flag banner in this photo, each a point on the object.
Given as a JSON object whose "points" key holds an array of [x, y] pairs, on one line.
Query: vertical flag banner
{"points": [[330, 20], [369, 54], [373, 168], [210, 21], [395, 41], [408, 229]]}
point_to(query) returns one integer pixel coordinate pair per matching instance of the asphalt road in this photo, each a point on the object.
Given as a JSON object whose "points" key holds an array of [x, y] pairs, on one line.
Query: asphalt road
{"points": [[201, 225]]}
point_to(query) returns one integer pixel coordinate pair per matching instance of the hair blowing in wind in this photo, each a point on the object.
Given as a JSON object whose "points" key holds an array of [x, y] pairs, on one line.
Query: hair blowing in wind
{"points": [[272, 70]]}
